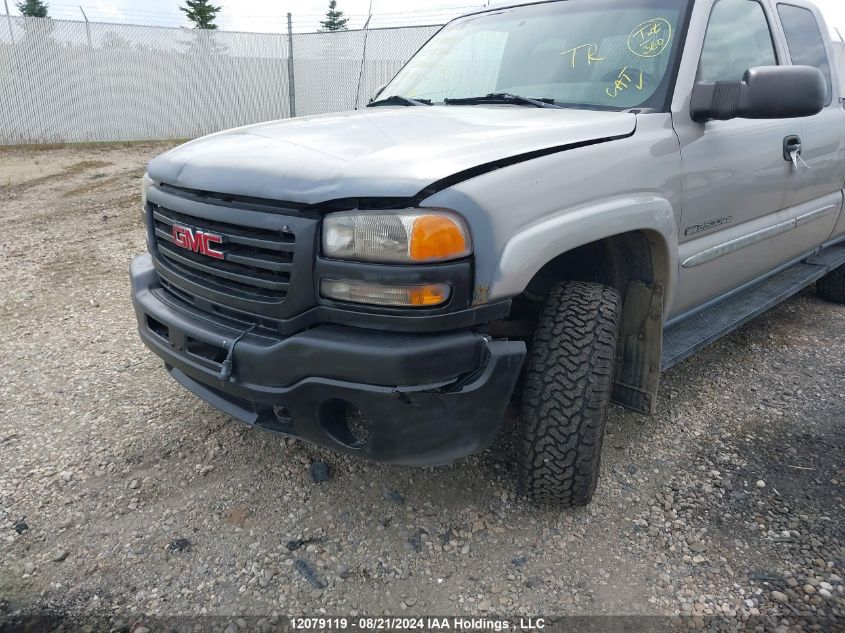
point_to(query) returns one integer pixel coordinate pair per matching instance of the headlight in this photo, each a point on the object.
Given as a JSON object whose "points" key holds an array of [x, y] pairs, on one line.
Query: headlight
{"points": [[411, 236]]}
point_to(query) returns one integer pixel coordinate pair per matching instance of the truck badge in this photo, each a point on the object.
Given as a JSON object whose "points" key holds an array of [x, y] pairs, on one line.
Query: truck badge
{"points": [[197, 241]]}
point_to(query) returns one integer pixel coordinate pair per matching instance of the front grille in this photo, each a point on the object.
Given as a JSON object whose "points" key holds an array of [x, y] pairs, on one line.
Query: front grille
{"points": [[257, 263]]}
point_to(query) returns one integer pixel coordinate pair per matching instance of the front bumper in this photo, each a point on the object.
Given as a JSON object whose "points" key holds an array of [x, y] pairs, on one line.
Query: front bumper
{"points": [[413, 399]]}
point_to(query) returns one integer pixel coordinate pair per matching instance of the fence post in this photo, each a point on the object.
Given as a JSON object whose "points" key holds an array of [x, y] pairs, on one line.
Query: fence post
{"points": [[93, 113], [9, 20], [291, 82], [363, 58], [87, 27], [16, 101]]}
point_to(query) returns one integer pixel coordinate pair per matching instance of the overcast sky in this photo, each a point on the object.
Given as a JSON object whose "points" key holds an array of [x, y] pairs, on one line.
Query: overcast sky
{"points": [[269, 15]]}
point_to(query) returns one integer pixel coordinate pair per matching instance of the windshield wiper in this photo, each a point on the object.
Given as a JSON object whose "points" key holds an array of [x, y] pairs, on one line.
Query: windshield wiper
{"points": [[503, 97], [399, 100]]}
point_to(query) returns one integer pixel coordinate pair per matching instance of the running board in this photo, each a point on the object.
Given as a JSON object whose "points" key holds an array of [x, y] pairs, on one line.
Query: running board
{"points": [[689, 336]]}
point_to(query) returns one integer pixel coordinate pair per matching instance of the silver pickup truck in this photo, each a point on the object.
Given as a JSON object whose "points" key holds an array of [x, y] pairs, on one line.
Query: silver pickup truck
{"points": [[550, 204]]}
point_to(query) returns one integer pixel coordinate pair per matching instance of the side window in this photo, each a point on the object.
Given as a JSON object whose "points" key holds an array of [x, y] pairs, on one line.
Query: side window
{"points": [[804, 38], [738, 38]]}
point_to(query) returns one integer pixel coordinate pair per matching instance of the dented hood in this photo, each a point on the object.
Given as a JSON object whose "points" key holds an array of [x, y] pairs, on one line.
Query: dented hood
{"points": [[384, 151]]}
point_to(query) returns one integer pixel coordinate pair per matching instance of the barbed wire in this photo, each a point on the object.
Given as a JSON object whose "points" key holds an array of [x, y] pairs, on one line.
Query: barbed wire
{"points": [[479, 4], [302, 22]]}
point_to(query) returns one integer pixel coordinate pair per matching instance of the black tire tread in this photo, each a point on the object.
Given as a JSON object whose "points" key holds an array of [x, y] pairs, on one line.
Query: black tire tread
{"points": [[831, 287], [568, 383]]}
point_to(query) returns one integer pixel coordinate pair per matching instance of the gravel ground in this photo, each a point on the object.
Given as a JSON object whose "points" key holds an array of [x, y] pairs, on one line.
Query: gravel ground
{"points": [[122, 495]]}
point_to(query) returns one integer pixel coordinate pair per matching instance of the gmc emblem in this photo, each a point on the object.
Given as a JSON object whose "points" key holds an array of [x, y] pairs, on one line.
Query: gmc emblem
{"points": [[197, 241]]}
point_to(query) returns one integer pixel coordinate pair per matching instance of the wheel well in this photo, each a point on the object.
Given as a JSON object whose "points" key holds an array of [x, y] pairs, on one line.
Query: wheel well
{"points": [[614, 261], [635, 264]]}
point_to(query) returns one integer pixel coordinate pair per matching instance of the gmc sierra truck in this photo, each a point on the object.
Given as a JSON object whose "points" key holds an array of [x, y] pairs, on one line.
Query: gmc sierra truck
{"points": [[550, 204]]}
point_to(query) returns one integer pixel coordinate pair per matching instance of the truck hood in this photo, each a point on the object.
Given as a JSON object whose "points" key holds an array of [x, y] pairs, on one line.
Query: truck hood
{"points": [[379, 152]]}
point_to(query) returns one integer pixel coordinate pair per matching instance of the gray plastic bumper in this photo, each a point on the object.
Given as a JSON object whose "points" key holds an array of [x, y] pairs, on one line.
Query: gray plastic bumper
{"points": [[415, 399]]}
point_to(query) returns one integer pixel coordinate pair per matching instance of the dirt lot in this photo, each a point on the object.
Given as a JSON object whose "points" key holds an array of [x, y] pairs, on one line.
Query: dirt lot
{"points": [[124, 496]]}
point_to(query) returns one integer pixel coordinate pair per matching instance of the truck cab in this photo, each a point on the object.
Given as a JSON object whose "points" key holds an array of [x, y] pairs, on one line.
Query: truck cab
{"points": [[550, 204]]}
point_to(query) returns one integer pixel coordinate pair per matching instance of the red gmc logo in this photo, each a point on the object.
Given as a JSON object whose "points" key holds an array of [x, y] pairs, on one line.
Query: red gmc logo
{"points": [[197, 241]]}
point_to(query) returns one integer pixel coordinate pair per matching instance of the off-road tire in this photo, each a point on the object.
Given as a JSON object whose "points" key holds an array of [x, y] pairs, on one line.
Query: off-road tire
{"points": [[568, 382], [831, 287]]}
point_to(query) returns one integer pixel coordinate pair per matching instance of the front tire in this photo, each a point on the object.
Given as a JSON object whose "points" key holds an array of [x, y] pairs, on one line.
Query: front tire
{"points": [[831, 287], [568, 383]]}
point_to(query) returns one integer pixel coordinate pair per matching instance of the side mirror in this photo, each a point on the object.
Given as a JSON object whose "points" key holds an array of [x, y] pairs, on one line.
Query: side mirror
{"points": [[765, 92]]}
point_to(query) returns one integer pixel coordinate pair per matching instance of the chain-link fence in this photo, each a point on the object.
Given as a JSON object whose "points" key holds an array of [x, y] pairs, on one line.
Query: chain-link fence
{"points": [[63, 81]]}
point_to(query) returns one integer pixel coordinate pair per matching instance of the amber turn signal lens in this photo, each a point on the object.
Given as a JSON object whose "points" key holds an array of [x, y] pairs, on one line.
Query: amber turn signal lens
{"points": [[432, 295], [437, 238]]}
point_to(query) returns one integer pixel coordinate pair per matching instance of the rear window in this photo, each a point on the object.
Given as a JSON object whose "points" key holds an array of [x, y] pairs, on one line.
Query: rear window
{"points": [[806, 45]]}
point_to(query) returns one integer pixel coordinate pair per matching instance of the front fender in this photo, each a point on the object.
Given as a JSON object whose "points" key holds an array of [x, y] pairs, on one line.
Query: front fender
{"points": [[524, 216], [529, 250]]}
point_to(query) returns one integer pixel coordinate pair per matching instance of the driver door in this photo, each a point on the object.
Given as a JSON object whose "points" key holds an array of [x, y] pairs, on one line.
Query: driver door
{"points": [[736, 180]]}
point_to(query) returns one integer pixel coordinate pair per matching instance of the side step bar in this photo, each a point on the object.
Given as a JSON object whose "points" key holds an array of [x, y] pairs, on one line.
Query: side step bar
{"points": [[689, 336]]}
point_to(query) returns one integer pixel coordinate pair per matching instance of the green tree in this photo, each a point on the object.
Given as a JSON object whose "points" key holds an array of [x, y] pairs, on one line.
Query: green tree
{"points": [[32, 8], [334, 19], [201, 12]]}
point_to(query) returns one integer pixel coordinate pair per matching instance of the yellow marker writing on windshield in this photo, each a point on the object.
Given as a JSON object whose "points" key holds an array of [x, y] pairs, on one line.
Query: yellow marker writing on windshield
{"points": [[592, 53], [650, 38], [623, 82]]}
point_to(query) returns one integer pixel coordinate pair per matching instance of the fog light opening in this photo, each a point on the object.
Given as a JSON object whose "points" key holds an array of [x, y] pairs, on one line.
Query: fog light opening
{"points": [[359, 426], [344, 423], [158, 328]]}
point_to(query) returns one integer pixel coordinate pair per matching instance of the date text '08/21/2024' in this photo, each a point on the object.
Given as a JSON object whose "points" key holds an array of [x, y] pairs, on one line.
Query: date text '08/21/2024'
{"points": [[413, 623]]}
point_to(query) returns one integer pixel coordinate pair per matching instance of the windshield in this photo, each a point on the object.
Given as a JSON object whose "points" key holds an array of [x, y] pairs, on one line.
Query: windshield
{"points": [[607, 54]]}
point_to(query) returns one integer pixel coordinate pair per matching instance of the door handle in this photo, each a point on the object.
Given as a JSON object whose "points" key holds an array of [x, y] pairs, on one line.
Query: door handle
{"points": [[792, 151], [791, 144]]}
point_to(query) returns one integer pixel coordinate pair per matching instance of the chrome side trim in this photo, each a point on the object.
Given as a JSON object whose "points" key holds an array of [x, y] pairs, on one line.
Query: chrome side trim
{"points": [[801, 220], [721, 250], [739, 243]]}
